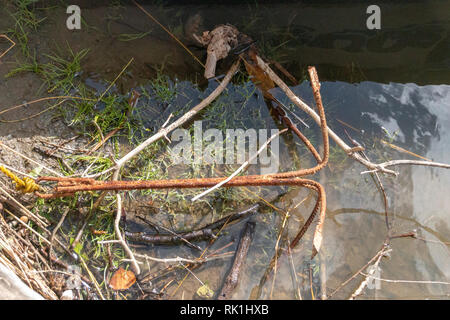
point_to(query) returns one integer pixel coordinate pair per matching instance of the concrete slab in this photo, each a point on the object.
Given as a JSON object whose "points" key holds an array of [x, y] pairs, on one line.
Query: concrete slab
{"points": [[13, 288]]}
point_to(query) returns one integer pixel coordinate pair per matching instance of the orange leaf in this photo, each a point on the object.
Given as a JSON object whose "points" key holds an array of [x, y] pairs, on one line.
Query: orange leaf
{"points": [[260, 78], [122, 279]]}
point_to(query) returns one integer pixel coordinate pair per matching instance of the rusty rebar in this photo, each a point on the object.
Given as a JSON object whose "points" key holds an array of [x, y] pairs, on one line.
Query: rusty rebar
{"points": [[68, 186]]}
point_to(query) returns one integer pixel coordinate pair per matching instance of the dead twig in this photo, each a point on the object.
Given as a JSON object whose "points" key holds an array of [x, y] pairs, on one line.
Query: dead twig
{"points": [[382, 166], [52, 154], [273, 264], [293, 273], [380, 253], [169, 33], [86, 219], [393, 146], [120, 238], [55, 230], [225, 221], [231, 281], [368, 277], [17, 255], [40, 222], [285, 72], [297, 101], [25, 104], [172, 237], [36, 114], [204, 233], [377, 181], [181, 260], [13, 44], [408, 281]]}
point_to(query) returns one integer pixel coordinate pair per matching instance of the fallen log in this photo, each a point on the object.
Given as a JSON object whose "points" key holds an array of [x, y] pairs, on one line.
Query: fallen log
{"points": [[144, 237], [231, 281], [205, 233]]}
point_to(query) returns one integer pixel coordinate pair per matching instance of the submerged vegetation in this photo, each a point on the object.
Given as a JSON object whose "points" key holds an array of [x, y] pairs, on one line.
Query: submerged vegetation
{"points": [[27, 20]]}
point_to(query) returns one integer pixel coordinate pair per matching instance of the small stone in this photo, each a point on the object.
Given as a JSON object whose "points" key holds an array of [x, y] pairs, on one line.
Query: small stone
{"points": [[24, 219], [67, 295]]}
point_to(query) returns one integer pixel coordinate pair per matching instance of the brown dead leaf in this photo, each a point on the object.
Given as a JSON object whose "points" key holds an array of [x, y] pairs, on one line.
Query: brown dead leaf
{"points": [[122, 279], [260, 78]]}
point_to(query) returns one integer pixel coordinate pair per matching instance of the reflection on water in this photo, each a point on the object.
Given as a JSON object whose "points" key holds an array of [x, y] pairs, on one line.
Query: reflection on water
{"points": [[418, 197]]}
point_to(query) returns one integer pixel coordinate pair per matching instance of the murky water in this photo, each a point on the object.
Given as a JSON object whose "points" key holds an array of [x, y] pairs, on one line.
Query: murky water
{"points": [[391, 85]]}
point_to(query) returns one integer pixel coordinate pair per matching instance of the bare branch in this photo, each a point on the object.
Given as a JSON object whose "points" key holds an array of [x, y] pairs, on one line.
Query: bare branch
{"points": [[409, 162]]}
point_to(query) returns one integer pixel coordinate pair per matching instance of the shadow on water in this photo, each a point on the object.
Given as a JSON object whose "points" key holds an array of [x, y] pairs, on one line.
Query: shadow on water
{"points": [[391, 85]]}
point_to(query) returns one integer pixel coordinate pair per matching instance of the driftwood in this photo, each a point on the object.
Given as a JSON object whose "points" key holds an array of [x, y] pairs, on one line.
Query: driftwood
{"points": [[219, 42], [205, 233], [169, 238], [222, 40], [231, 281]]}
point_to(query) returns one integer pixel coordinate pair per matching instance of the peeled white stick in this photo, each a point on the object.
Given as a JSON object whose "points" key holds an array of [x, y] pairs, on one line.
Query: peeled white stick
{"points": [[210, 66], [410, 162]]}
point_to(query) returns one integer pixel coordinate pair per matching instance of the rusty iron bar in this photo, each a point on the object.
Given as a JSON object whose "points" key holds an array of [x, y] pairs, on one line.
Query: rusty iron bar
{"points": [[68, 186]]}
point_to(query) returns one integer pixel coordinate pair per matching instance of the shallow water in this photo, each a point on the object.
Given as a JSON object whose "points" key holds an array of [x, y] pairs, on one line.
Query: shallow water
{"points": [[391, 85]]}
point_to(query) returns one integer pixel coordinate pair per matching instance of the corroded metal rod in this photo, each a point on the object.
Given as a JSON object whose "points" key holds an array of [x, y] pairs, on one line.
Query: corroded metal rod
{"points": [[68, 186]]}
